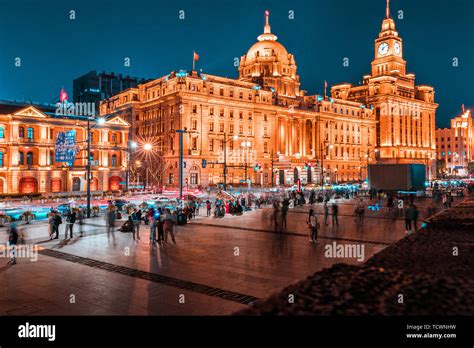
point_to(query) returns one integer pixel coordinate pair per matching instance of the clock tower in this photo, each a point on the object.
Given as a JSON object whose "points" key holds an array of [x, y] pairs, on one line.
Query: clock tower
{"points": [[388, 49]]}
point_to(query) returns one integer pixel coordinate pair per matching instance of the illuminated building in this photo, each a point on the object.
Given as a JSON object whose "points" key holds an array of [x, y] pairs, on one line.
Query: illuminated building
{"points": [[387, 119], [27, 157], [455, 145], [405, 112]]}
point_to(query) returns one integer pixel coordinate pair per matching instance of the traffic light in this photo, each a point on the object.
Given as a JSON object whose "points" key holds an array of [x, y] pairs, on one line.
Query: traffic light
{"points": [[204, 163], [307, 165], [257, 167]]}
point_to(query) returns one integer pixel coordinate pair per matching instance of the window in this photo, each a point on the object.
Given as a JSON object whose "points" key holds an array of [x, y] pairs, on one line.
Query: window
{"points": [[241, 95], [265, 118], [194, 124], [194, 109], [114, 161], [211, 90], [194, 144], [21, 132], [250, 130], [250, 96], [1, 159], [221, 91], [231, 128], [265, 131], [211, 111], [2, 133], [221, 127], [51, 157], [231, 114], [241, 115], [194, 178], [114, 137], [250, 116], [211, 145], [241, 129], [211, 127], [231, 93], [265, 147], [30, 133], [29, 158], [21, 158], [221, 113]]}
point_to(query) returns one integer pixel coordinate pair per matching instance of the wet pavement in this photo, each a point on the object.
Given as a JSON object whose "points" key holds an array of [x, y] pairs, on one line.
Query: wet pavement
{"points": [[217, 267]]}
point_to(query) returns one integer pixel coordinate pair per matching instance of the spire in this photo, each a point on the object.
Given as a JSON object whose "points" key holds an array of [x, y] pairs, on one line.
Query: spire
{"points": [[267, 30], [387, 10]]}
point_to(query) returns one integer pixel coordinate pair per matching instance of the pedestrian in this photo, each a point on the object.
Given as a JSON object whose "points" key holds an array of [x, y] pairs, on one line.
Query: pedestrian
{"points": [[57, 221], [284, 212], [326, 212], [408, 215], [80, 220], [313, 226], [51, 223], [110, 218], [70, 220], [196, 208], [161, 231], [276, 215], [168, 225], [450, 200], [445, 200], [136, 219], [153, 219], [13, 241], [360, 210], [335, 212], [208, 207], [414, 217]]}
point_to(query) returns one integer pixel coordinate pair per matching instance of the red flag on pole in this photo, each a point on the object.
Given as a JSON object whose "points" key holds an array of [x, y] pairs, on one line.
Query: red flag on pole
{"points": [[196, 56], [63, 95]]}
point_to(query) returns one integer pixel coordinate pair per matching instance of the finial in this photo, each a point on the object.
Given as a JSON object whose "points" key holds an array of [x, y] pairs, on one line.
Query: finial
{"points": [[387, 11], [267, 28]]}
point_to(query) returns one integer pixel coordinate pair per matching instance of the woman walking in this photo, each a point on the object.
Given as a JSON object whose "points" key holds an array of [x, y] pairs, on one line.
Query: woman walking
{"points": [[313, 226]]}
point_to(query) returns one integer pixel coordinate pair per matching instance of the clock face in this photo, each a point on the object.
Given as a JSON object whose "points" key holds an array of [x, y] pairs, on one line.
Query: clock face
{"points": [[383, 48], [397, 48]]}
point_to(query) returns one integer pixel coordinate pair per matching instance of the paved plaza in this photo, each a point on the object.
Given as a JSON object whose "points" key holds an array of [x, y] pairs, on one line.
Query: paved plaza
{"points": [[217, 267]]}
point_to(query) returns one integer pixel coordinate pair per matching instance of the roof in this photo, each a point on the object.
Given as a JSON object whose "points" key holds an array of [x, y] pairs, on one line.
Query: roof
{"points": [[9, 107]]}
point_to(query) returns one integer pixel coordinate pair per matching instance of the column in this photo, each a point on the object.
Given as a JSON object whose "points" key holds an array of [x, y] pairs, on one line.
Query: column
{"points": [[313, 133]]}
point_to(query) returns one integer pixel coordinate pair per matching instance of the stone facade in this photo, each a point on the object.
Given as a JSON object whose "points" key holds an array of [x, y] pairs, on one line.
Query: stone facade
{"points": [[27, 158]]}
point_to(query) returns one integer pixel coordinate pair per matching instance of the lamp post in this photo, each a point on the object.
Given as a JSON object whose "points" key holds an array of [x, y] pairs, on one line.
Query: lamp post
{"points": [[100, 121], [324, 147], [132, 145], [368, 159], [246, 145], [225, 141], [181, 132]]}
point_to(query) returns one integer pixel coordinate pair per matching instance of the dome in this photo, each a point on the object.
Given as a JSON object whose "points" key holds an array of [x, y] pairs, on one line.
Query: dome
{"points": [[267, 49]]}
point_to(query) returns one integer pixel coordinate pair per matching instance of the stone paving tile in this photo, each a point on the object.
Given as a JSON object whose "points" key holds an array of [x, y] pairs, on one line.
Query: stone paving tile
{"points": [[204, 254]]}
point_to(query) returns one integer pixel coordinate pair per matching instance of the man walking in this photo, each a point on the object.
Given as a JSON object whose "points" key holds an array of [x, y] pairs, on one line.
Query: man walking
{"points": [[335, 212], [57, 221], [208, 207], [169, 222], [70, 220], [136, 219], [13, 241], [326, 212], [313, 227]]}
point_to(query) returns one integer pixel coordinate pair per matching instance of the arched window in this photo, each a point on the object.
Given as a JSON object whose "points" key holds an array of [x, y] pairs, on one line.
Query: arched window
{"points": [[114, 160], [30, 133], [21, 132], [1, 159], [114, 137], [2, 132], [29, 158], [21, 158]]}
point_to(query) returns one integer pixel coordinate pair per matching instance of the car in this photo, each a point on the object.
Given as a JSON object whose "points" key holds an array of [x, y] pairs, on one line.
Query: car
{"points": [[120, 203]]}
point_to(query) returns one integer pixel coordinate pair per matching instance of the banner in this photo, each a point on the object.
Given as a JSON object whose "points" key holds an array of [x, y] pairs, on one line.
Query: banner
{"points": [[65, 146]]}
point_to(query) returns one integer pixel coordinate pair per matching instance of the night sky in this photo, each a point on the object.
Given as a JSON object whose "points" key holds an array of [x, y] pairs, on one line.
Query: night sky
{"points": [[54, 49]]}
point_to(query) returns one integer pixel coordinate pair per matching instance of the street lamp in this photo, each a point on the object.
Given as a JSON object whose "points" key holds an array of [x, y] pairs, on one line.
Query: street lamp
{"points": [[225, 141], [100, 121], [147, 147], [246, 145], [324, 147]]}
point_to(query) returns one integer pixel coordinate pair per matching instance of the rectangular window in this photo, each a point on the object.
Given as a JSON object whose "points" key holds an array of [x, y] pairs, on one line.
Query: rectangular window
{"points": [[194, 144], [231, 128], [211, 145], [231, 114], [221, 127], [265, 147], [211, 127], [211, 111], [194, 109], [194, 178], [221, 113], [241, 129], [241, 95], [231, 93], [194, 124], [221, 91]]}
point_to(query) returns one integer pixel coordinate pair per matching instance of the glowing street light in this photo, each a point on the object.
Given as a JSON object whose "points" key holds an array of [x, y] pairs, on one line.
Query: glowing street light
{"points": [[147, 147]]}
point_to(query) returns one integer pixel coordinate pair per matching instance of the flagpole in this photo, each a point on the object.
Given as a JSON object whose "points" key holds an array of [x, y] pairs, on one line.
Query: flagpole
{"points": [[325, 89], [193, 60]]}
